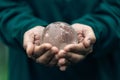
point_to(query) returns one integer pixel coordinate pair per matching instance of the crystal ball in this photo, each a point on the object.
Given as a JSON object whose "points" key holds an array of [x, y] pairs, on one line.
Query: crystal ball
{"points": [[59, 34]]}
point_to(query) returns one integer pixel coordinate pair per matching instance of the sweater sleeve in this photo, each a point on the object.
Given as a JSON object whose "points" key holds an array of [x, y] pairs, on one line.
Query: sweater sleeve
{"points": [[15, 19], [105, 21]]}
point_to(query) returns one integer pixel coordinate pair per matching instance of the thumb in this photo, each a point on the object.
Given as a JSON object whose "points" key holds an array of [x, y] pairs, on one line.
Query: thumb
{"points": [[89, 37], [29, 48], [28, 43]]}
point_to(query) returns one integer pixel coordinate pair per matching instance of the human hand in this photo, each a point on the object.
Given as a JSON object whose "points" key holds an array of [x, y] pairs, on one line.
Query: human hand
{"points": [[45, 54], [74, 53], [32, 38], [42, 53]]}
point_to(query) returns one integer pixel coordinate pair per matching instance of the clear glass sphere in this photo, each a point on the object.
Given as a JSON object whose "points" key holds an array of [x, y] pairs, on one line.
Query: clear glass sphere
{"points": [[59, 34]]}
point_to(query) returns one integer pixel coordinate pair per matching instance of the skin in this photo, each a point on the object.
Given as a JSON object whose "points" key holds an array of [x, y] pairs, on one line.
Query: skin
{"points": [[74, 53], [50, 55], [41, 53]]}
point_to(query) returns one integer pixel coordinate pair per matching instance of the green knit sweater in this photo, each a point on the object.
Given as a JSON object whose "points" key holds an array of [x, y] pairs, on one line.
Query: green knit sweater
{"points": [[18, 16]]}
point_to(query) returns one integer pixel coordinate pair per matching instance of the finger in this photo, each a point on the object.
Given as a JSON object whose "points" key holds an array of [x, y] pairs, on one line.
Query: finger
{"points": [[88, 42], [28, 38], [39, 50], [78, 49], [30, 49], [28, 43], [63, 68], [89, 37], [37, 40], [46, 57], [75, 48], [37, 36], [60, 54], [80, 37], [63, 62], [42, 59], [73, 57], [53, 62]]}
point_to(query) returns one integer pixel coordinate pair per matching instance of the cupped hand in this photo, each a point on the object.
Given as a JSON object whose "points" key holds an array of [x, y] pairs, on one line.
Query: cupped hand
{"points": [[32, 38], [41, 53], [74, 53], [45, 54]]}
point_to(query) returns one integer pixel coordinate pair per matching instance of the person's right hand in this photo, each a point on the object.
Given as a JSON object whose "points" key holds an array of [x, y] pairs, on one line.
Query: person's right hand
{"points": [[41, 53]]}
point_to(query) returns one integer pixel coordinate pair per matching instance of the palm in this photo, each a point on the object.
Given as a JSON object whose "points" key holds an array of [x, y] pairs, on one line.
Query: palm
{"points": [[77, 52]]}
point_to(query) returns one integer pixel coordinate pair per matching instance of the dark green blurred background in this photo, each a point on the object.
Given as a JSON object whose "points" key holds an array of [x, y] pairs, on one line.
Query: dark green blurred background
{"points": [[3, 62]]}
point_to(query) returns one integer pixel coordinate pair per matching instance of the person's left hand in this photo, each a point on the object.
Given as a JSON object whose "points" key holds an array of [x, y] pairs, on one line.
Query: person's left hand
{"points": [[74, 53]]}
